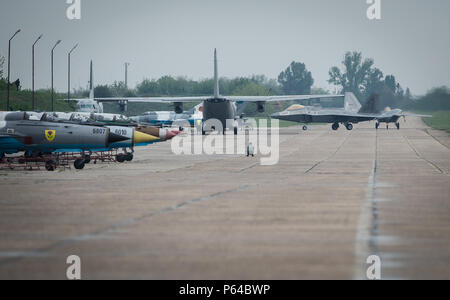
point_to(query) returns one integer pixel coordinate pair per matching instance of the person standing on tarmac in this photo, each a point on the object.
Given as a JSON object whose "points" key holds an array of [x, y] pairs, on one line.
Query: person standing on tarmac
{"points": [[250, 150]]}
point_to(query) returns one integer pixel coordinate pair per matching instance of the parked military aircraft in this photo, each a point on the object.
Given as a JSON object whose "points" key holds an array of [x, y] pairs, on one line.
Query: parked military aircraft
{"points": [[393, 116], [169, 118], [352, 113], [163, 134], [21, 131], [217, 107]]}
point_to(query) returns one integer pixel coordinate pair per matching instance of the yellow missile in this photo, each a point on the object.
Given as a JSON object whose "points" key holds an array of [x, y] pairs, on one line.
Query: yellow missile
{"points": [[142, 138]]}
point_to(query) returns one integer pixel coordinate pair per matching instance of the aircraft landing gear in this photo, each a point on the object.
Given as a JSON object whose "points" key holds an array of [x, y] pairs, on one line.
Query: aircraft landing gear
{"points": [[79, 164], [129, 156], [398, 125], [120, 158], [349, 126], [305, 128], [377, 125], [335, 126], [50, 165]]}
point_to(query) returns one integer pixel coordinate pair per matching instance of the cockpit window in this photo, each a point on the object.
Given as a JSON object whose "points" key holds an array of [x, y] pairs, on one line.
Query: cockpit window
{"points": [[15, 116]]}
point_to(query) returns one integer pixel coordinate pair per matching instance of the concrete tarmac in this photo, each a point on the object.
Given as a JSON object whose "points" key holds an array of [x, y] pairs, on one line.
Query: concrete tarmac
{"points": [[334, 199]]}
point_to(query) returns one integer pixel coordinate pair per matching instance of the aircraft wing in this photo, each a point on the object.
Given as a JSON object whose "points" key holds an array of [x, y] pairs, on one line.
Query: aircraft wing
{"points": [[418, 116], [279, 98], [204, 98], [154, 99]]}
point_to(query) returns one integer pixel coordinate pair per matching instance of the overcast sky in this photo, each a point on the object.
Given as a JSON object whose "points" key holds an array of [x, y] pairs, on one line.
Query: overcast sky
{"points": [[177, 37]]}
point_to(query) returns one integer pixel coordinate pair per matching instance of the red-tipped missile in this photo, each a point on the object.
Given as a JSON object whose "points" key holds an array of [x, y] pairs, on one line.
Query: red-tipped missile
{"points": [[170, 135], [162, 133]]}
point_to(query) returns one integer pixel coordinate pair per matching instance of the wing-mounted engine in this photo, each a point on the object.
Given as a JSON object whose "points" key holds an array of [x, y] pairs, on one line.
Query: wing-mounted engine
{"points": [[178, 107], [123, 104], [261, 106]]}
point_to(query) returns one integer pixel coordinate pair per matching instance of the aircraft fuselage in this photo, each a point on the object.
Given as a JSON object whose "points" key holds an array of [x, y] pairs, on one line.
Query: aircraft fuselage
{"points": [[220, 109]]}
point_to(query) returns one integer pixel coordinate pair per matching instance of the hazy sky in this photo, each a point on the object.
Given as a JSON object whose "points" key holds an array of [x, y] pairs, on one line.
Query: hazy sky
{"points": [[177, 37]]}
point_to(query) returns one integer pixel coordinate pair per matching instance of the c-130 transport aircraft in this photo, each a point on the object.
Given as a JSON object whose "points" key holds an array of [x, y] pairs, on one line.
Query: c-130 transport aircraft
{"points": [[217, 107]]}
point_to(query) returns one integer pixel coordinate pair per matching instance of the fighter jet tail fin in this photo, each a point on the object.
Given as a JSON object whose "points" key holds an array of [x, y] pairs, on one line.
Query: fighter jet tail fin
{"points": [[351, 104], [372, 105]]}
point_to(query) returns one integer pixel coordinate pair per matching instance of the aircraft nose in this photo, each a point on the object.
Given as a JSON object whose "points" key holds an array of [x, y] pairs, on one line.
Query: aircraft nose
{"points": [[277, 114], [141, 138]]}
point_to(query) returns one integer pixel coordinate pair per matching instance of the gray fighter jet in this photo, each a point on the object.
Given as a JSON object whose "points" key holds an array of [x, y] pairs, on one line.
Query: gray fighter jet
{"points": [[24, 132], [352, 113], [216, 107]]}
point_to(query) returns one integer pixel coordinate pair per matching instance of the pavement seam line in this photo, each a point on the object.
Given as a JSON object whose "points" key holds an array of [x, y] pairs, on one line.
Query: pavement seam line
{"points": [[367, 231], [331, 156], [430, 163], [115, 227]]}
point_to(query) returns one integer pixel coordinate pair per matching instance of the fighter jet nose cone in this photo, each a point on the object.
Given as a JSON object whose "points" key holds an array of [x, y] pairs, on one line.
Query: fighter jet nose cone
{"points": [[141, 138], [115, 138]]}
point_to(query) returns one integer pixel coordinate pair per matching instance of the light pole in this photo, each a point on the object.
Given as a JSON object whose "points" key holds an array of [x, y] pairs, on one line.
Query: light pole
{"points": [[53, 96], [32, 74], [9, 68], [126, 74], [68, 72]]}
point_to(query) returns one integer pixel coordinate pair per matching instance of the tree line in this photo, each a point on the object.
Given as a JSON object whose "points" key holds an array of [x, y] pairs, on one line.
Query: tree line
{"points": [[356, 74]]}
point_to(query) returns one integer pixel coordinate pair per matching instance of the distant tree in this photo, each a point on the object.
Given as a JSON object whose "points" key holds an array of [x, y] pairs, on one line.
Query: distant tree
{"points": [[408, 95], [205, 87], [353, 78], [435, 99], [296, 79], [2, 63], [374, 83], [390, 82], [119, 89], [318, 91], [147, 88], [251, 89], [103, 91]]}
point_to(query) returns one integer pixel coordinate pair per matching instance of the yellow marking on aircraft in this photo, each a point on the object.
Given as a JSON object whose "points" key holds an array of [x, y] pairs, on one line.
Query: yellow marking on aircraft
{"points": [[50, 135]]}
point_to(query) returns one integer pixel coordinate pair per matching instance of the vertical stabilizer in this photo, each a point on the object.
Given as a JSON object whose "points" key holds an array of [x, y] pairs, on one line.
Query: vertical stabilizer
{"points": [[351, 104], [216, 76], [91, 82]]}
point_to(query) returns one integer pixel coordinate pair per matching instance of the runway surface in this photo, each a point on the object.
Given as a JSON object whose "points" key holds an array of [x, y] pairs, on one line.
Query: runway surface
{"points": [[334, 199]]}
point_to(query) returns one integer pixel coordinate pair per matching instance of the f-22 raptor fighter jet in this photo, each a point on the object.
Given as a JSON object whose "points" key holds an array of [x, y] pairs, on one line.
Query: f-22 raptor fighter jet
{"points": [[352, 113]]}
